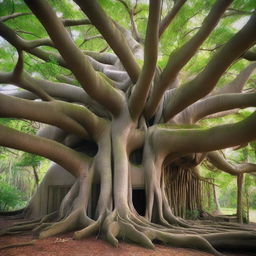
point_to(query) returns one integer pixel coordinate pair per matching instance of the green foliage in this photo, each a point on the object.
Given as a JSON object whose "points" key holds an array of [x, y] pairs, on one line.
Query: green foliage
{"points": [[28, 159], [16, 168], [20, 125], [10, 198]]}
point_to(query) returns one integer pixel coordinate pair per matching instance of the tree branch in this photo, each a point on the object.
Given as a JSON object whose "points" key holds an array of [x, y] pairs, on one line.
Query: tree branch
{"points": [[104, 57], [64, 156], [166, 21], [202, 85], [249, 55], [219, 103], [13, 16], [69, 23], [45, 112], [140, 92], [16, 77], [112, 35], [232, 12], [179, 58], [222, 164], [54, 89], [131, 12], [20, 43], [93, 84], [181, 140], [69, 117], [238, 83]]}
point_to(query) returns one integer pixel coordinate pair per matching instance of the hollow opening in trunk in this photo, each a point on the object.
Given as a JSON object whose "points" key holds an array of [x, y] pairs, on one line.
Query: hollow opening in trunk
{"points": [[139, 200]]}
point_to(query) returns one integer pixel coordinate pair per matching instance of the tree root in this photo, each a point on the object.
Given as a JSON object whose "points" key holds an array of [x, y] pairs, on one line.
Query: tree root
{"points": [[129, 226], [17, 245]]}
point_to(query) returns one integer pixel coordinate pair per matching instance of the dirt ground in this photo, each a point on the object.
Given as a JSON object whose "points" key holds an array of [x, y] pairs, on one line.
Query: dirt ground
{"points": [[64, 246]]}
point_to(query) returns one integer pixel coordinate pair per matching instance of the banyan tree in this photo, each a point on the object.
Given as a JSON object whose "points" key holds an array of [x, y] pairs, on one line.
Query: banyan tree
{"points": [[118, 110]]}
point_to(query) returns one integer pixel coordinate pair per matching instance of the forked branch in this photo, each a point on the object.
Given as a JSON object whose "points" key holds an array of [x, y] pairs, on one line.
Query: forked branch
{"points": [[180, 58], [202, 85], [78, 63], [112, 35], [17, 77], [69, 117], [64, 156], [166, 21]]}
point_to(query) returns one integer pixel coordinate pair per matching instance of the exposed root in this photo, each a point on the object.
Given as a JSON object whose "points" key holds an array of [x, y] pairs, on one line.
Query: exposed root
{"points": [[88, 231], [129, 226], [17, 245], [21, 227]]}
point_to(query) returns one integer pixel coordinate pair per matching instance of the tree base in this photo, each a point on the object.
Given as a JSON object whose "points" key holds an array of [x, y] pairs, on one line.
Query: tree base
{"points": [[126, 226]]}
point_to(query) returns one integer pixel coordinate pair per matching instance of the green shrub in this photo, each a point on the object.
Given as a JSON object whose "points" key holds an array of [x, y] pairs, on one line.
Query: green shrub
{"points": [[10, 197]]}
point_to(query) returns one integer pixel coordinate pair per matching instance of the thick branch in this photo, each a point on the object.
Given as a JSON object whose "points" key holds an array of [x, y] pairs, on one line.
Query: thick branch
{"points": [[94, 85], [166, 21], [207, 79], [56, 90], [140, 92], [112, 35], [238, 83], [249, 55], [222, 164], [180, 57], [23, 94], [70, 117], [221, 103], [204, 140], [18, 42], [104, 57], [64, 156]]}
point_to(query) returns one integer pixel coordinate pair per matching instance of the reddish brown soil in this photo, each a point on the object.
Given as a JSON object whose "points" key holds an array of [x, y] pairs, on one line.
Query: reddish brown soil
{"points": [[64, 246]]}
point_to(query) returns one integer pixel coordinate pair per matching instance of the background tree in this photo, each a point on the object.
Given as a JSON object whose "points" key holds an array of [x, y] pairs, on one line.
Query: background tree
{"points": [[141, 94]]}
